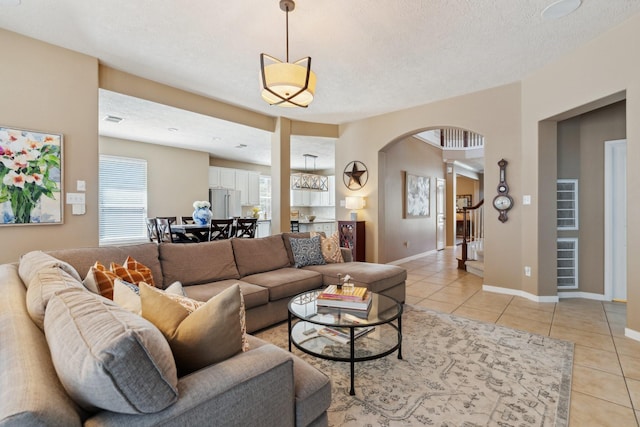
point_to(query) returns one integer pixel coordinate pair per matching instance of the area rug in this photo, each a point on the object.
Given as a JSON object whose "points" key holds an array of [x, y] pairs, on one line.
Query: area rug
{"points": [[454, 372]]}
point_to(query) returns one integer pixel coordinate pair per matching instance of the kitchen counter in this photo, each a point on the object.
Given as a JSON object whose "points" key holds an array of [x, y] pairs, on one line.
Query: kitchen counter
{"points": [[317, 221]]}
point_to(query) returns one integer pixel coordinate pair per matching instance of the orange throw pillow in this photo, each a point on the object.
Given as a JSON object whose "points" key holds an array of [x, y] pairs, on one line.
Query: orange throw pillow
{"points": [[99, 280], [132, 264]]}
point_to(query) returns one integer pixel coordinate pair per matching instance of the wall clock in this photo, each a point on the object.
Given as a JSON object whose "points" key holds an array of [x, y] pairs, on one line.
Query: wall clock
{"points": [[503, 202], [355, 175]]}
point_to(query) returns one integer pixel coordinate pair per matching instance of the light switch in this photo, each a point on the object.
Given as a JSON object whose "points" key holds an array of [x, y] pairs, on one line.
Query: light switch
{"points": [[75, 199], [526, 199]]}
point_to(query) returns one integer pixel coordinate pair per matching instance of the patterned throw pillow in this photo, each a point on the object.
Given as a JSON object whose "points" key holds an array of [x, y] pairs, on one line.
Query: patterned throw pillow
{"points": [[330, 247], [307, 251], [131, 276], [99, 280], [132, 264], [212, 333]]}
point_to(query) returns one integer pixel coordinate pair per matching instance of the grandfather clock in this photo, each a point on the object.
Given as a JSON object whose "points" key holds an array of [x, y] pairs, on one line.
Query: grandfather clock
{"points": [[352, 236]]}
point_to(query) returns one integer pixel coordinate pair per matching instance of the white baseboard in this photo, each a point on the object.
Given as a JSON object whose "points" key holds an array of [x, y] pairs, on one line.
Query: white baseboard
{"points": [[585, 295], [411, 258], [523, 294], [630, 333]]}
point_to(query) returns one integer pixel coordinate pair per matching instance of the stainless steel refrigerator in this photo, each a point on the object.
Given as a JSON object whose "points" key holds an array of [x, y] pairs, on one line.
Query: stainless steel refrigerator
{"points": [[225, 203]]}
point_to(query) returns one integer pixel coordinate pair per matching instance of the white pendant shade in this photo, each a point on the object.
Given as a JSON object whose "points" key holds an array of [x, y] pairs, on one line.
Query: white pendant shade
{"points": [[286, 85]]}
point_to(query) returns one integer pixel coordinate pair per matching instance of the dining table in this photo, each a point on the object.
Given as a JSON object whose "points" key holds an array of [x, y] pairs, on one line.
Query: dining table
{"points": [[200, 232]]}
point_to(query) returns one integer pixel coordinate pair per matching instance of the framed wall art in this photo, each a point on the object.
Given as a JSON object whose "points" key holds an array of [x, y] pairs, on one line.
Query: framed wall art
{"points": [[417, 195], [30, 177], [463, 201]]}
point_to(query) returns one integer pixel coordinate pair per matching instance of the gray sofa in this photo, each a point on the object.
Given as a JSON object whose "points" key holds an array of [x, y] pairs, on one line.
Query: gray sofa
{"points": [[239, 391]]}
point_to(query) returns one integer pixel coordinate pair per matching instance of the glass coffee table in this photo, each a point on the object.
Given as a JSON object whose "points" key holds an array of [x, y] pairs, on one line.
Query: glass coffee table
{"points": [[313, 330]]}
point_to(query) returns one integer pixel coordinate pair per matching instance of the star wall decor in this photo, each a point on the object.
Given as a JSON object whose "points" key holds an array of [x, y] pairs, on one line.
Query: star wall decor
{"points": [[355, 175]]}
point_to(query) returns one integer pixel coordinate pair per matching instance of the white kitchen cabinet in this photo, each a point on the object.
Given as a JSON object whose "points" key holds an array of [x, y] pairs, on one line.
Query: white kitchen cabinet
{"points": [[253, 194], [222, 177], [264, 229], [214, 177], [242, 185], [331, 194], [299, 198], [316, 198]]}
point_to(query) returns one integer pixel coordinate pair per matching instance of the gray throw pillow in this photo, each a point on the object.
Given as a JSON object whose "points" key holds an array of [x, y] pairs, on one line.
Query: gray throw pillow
{"points": [[107, 357], [307, 251]]}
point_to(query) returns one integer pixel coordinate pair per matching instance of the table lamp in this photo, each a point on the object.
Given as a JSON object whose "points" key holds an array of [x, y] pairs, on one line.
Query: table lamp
{"points": [[354, 203]]}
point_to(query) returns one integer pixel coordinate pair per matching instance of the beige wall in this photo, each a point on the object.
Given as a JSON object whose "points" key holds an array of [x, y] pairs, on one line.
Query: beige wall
{"points": [[413, 156], [175, 177], [494, 113], [586, 78], [50, 89]]}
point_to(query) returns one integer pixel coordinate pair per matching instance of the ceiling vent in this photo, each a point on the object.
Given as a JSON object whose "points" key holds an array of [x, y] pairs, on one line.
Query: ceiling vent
{"points": [[113, 119]]}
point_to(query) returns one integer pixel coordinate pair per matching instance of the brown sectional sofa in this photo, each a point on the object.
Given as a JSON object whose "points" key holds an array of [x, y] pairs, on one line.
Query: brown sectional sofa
{"points": [[219, 394]]}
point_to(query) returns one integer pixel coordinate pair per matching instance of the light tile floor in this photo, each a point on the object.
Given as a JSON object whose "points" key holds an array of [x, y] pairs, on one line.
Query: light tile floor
{"points": [[606, 367]]}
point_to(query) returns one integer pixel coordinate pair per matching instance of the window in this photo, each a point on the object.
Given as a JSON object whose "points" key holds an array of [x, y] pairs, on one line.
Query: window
{"points": [[567, 204], [122, 200], [265, 195], [567, 267]]}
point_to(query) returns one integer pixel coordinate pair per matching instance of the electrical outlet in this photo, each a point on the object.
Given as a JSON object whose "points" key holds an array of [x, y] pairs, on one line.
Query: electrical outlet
{"points": [[407, 243], [527, 271], [526, 199]]}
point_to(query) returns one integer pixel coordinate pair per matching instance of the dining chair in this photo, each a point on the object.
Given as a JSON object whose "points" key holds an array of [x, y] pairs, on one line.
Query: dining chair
{"points": [[220, 229], [187, 220], [246, 227], [295, 226], [166, 235], [152, 230]]}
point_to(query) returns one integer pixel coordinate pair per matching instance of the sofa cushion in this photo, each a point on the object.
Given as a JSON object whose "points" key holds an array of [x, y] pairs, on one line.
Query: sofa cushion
{"points": [[307, 251], [212, 333], [32, 262], [287, 243], [107, 357], [375, 277], [195, 264], [286, 282], [127, 295], [312, 388], [253, 295], [83, 258], [44, 284], [259, 255], [30, 392]]}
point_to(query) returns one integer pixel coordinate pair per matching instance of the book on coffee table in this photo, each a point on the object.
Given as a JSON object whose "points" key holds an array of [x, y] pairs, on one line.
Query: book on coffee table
{"points": [[342, 335], [355, 298]]}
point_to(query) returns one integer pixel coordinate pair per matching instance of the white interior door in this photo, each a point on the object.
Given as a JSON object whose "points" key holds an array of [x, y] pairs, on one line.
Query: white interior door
{"points": [[615, 217], [441, 233]]}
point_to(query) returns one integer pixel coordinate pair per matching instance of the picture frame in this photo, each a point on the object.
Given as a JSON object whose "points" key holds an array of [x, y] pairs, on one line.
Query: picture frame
{"points": [[416, 195], [463, 201], [31, 177]]}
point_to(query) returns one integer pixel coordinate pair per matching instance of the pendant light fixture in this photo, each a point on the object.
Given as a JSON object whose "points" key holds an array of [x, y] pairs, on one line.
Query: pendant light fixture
{"points": [[309, 181], [283, 83]]}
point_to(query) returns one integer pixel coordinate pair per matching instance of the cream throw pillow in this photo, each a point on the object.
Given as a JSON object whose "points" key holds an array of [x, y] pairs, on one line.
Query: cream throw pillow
{"points": [[210, 334], [127, 295]]}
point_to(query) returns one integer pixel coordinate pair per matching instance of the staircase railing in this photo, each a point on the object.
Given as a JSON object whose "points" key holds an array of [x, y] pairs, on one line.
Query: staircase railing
{"points": [[472, 230]]}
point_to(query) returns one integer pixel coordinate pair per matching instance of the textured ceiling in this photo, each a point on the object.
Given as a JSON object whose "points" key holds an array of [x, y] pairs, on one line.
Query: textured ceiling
{"points": [[370, 56]]}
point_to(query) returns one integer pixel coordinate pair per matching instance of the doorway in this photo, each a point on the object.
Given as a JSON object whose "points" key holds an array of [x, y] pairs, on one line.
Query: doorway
{"points": [[615, 220], [441, 233]]}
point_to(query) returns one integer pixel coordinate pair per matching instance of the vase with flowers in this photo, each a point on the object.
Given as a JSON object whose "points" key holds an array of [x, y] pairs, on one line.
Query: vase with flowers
{"points": [[29, 169], [202, 214]]}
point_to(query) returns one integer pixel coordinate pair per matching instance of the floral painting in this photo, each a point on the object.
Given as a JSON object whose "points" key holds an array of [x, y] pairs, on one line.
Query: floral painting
{"points": [[30, 177], [416, 196]]}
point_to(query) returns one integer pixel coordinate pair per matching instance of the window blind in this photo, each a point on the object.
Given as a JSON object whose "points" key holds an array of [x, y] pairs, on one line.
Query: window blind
{"points": [[122, 200]]}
